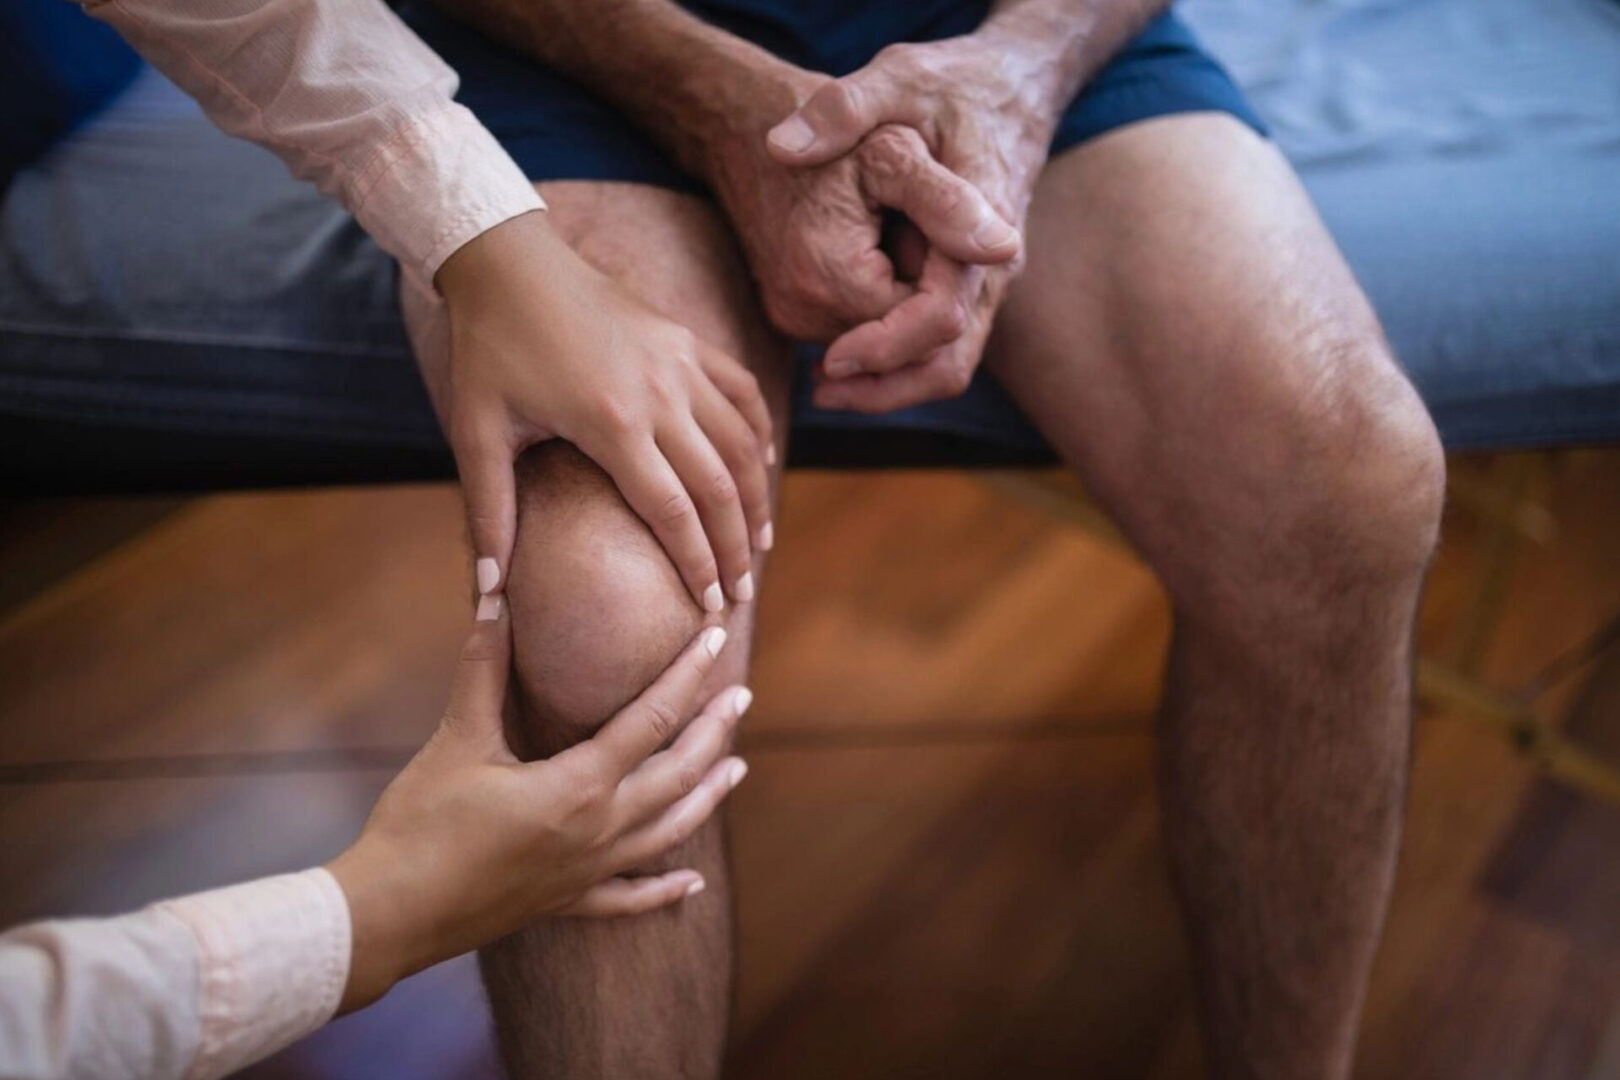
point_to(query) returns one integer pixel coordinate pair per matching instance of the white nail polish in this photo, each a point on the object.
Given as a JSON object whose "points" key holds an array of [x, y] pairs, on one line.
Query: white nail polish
{"points": [[489, 607], [740, 701], [714, 638], [738, 770], [744, 589], [695, 888], [489, 575], [713, 601], [767, 537]]}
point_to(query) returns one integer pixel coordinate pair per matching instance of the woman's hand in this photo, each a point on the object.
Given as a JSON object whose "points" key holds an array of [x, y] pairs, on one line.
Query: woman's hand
{"points": [[543, 346], [468, 844]]}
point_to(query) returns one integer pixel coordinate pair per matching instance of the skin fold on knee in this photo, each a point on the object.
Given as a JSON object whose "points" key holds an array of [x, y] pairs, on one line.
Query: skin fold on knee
{"points": [[598, 610]]}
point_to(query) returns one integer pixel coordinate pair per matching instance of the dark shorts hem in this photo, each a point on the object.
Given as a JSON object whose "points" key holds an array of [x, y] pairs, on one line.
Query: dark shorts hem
{"points": [[556, 129]]}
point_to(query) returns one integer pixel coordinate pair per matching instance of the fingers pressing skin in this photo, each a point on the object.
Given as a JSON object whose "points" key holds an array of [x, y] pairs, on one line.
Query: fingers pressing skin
{"points": [[618, 897], [740, 451], [671, 774], [677, 824], [742, 390], [657, 715], [484, 456], [716, 494], [901, 173], [657, 494], [478, 689]]}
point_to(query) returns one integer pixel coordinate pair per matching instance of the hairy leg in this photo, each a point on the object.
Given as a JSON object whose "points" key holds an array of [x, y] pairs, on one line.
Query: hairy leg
{"points": [[1189, 339], [597, 611]]}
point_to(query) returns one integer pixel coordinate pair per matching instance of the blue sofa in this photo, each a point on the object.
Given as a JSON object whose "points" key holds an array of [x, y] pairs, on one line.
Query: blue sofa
{"points": [[176, 313]]}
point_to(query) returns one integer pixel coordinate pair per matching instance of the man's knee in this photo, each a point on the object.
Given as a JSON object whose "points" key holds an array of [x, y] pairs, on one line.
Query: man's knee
{"points": [[598, 610], [1372, 480], [1332, 493]]}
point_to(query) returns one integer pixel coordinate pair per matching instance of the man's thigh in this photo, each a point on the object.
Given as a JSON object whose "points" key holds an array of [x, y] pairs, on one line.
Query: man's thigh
{"points": [[1188, 336]]}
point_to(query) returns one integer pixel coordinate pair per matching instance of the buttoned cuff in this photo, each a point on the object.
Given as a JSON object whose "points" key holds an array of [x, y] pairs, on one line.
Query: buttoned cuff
{"points": [[273, 961], [439, 182]]}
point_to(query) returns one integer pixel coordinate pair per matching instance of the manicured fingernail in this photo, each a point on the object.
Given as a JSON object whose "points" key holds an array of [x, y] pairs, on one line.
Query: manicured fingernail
{"points": [[738, 770], [793, 135], [994, 233], [766, 537], [489, 575], [489, 607], [713, 602], [695, 888], [770, 453], [740, 701], [744, 589], [713, 638]]}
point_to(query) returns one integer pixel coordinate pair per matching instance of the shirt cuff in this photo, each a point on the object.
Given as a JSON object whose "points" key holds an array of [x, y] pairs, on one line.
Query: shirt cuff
{"points": [[273, 961], [439, 182]]}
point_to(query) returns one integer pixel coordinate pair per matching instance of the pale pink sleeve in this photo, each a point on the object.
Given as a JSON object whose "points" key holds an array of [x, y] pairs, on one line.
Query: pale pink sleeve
{"points": [[188, 989], [347, 96]]}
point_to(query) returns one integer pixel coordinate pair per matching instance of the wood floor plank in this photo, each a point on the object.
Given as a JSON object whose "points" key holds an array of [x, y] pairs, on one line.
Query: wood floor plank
{"points": [[947, 855]]}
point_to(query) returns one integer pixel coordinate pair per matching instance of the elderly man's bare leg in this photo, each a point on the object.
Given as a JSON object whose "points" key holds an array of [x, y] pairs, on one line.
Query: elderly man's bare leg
{"points": [[1188, 337], [597, 611]]}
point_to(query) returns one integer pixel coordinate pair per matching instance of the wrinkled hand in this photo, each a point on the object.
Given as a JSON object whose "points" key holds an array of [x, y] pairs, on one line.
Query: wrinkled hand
{"points": [[814, 235], [468, 844], [543, 346], [969, 100]]}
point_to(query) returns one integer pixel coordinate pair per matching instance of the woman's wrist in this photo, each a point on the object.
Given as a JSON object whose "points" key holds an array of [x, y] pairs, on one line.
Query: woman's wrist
{"points": [[386, 943], [519, 242]]}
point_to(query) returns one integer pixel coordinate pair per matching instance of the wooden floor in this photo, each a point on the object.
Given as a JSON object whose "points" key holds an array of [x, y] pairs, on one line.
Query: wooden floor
{"points": [[947, 853]]}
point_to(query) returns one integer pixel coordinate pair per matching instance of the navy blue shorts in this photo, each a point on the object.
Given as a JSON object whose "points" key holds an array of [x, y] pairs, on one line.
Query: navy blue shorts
{"points": [[557, 130]]}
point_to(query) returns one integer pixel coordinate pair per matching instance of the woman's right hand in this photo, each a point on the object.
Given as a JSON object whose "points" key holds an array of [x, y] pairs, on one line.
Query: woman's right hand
{"points": [[469, 844], [543, 346]]}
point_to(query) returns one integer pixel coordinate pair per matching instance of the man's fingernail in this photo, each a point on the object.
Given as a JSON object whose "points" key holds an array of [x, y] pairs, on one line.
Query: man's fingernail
{"points": [[713, 638], [766, 538], [770, 453], [844, 365], [995, 233], [695, 888], [489, 575], [713, 601], [738, 770], [740, 701], [744, 589], [489, 607], [793, 135]]}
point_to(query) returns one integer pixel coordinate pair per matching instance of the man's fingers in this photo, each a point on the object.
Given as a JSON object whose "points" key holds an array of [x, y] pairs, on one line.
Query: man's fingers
{"points": [[943, 375], [656, 715], [484, 461], [654, 491], [953, 214], [935, 315], [677, 824], [742, 454], [838, 116], [478, 689], [672, 774], [716, 491], [619, 896]]}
